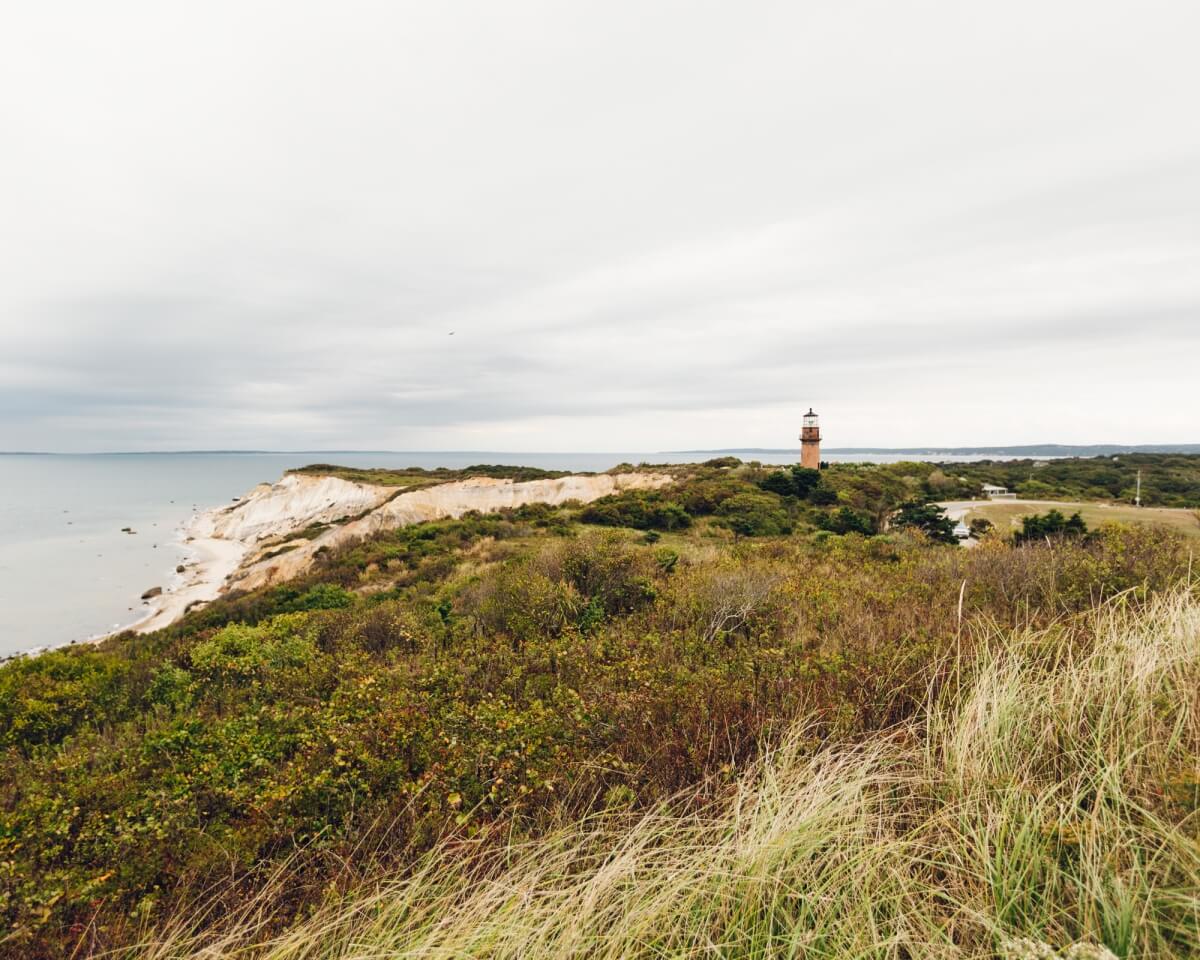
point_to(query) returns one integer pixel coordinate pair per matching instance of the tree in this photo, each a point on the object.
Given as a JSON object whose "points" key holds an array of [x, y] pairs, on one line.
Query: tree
{"points": [[797, 482], [779, 483], [805, 480], [929, 518], [980, 526], [1051, 524], [822, 496], [848, 520]]}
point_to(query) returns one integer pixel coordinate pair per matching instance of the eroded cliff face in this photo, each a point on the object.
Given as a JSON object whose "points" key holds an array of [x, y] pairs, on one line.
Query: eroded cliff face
{"points": [[484, 494], [296, 502], [255, 541]]}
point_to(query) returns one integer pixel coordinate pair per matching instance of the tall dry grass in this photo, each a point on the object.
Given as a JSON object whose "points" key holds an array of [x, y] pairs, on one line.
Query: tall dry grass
{"points": [[1043, 805]]}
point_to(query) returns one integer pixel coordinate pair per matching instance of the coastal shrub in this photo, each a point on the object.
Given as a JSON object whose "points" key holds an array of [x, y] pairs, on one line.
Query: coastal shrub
{"points": [[497, 686], [242, 654], [755, 515], [44, 698], [703, 497], [1017, 816], [1035, 490], [322, 596], [638, 509], [605, 568]]}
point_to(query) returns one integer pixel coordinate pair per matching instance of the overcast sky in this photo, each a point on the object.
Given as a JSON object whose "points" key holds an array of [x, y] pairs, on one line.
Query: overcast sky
{"points": [[597, 226]]}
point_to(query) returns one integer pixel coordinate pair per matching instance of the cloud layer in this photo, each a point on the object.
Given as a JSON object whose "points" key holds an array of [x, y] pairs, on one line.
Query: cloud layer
{"points": [[597, 226]]}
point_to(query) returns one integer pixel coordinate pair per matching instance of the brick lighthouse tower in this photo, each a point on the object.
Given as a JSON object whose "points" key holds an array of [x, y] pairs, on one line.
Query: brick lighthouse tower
{"points": [[810, 442]]}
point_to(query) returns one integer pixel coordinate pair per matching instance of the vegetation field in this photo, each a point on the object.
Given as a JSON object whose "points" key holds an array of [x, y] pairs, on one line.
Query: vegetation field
{"points": [[1168, 479], [1007, 516], [757, 713], [1034, 808]]}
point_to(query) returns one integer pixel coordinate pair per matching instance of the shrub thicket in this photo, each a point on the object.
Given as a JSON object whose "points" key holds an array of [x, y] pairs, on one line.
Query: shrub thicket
{"points": [[1040, 807]]}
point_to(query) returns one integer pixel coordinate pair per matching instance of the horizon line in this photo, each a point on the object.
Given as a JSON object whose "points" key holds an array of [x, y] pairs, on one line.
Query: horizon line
{"points": [[922, 448]]}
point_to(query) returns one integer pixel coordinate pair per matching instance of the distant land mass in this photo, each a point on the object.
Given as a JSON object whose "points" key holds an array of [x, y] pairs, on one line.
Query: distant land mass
{"points": [[1015, 452], [1020, 450]]}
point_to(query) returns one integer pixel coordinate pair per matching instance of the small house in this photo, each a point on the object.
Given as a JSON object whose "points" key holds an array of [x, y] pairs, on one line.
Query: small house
{"points": [[993, 492]]}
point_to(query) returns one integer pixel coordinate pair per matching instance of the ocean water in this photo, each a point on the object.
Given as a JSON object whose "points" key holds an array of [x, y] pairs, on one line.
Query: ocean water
{"points": [[67, 571]]}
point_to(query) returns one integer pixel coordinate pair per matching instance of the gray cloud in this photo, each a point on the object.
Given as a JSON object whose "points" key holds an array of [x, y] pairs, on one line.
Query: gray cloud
{"points": [[258, 225]]}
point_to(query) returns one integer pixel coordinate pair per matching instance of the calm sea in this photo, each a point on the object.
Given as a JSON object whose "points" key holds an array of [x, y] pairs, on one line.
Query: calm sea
{"points": [[68, 572]]}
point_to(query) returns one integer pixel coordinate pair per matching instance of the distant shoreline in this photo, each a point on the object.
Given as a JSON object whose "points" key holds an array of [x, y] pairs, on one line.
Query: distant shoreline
{"points": [[1016, 451]]}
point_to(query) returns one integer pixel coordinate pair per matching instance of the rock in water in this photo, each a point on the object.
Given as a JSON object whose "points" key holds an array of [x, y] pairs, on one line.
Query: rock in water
{"points": [[152, 592]]}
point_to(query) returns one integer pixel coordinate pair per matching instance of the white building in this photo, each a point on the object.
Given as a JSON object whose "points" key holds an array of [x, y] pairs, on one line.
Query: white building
{"points": [[993, 492]]}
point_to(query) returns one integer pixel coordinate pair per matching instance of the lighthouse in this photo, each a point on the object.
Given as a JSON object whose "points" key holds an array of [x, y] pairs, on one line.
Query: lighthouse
{"points": [[810, 442]]}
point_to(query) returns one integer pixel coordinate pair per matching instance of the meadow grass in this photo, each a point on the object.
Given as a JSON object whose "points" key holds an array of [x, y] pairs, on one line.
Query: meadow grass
{"points": [[1043, 804], [1007, 516]]}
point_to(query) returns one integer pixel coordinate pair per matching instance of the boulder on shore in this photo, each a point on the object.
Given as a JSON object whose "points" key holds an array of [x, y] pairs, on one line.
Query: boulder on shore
{"points": [[152, 592]]}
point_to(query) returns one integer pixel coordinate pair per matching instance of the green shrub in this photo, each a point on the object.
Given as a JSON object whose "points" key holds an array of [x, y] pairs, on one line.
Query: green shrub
{"points": [[755, 515], [44, 698], [638, 509], [703, 497]]}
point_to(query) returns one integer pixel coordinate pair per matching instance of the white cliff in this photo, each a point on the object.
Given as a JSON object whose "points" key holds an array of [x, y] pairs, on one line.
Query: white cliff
{"points": [[289, 506], [253, 542]]}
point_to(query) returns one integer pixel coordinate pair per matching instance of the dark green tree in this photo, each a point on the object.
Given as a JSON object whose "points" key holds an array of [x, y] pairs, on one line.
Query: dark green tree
{"points": [[804, 481], [778, 482], [980, 526], [1052, 525], [822, 496], [929, 518], [848, 520], [796, 482]]}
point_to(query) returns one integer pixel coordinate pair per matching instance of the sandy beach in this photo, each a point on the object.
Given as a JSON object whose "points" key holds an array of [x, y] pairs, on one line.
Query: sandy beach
{"points": [[202, 580]]}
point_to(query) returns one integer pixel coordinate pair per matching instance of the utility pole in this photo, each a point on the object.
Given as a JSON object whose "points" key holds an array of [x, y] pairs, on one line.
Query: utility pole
{"points": [[1137, 498]]}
